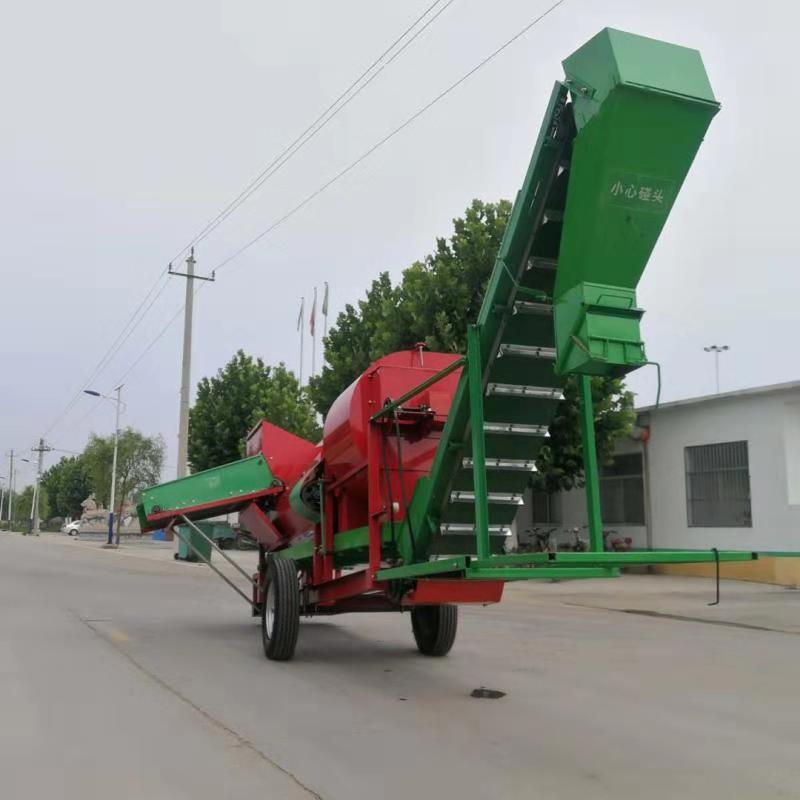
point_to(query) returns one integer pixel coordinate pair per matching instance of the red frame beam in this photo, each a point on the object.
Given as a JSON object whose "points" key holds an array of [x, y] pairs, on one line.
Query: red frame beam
{"points": [[434, 591]]}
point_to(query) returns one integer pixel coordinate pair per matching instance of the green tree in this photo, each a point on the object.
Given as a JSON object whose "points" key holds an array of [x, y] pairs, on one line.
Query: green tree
{"points": [[23, 506], [67, 483], [230, 403], [435, 301], [140, 460]]}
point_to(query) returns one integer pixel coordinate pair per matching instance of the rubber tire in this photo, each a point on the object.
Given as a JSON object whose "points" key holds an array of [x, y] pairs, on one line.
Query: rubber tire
{"points": [[434, 628], [282, 574]]}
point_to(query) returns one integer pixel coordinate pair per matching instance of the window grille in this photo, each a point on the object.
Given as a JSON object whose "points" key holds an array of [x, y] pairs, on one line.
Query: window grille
{"points": [[718, 486], [622, 491]]}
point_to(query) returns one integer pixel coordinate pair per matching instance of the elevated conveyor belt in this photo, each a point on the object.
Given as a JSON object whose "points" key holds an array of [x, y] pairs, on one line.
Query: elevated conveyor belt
{"points": [[615, 145]]}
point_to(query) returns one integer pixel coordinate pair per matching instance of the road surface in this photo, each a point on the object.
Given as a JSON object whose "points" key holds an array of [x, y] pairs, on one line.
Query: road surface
{"points": [[126, 675]]}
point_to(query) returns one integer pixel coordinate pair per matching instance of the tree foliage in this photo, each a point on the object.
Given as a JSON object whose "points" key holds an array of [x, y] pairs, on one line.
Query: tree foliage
{"points": [[140, 459], [67, 483], [230, 403], [434, 302], [23, 505]]}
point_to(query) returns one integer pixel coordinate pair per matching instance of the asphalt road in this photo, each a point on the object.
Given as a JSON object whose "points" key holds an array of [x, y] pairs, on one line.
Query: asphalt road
{"points": [[128, 676]]}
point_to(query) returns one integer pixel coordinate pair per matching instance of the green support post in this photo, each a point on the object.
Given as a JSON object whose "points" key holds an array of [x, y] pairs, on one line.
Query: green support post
{"points": [[478, 442], [590, 470]]}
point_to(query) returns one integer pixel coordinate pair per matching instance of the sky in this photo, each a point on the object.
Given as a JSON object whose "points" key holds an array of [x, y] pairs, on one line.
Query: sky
{"points": [[128, 126]]}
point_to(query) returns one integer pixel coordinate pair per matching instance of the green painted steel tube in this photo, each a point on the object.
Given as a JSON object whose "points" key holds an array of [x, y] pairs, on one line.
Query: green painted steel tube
{"points": [[539, 573], [630, 558], [440, 566], [478, 442], [590, 469]]}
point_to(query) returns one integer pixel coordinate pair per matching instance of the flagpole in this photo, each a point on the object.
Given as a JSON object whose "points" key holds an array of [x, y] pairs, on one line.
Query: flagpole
{"points": [[314, 335], [325, 314], [301, 328]]}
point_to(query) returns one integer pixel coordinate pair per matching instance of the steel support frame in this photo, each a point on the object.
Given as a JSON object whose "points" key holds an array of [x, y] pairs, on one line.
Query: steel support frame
{"points": [[207, 561], [590, 469], [475, 378]]}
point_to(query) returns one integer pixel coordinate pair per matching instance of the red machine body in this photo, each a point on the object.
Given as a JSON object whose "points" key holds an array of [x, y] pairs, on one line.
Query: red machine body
{"points": [[345, 442], [341, 458], [288, 457]]}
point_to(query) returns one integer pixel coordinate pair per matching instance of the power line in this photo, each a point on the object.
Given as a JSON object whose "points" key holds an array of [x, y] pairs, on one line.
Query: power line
{"points": [[277, 162], [127, 330], [415, 116], [318, 124]]}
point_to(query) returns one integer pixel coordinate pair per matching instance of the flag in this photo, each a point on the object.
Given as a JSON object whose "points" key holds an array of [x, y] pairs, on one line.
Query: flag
{"points": [[313, 318], [300, 315], [325, 301]]}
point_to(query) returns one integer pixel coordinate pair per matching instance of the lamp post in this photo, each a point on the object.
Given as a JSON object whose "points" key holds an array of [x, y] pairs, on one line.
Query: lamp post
{"points": [[119, 403], [716, 350]]}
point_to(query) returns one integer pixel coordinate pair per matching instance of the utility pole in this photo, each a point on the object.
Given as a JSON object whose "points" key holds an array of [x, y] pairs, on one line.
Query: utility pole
{"points": [[186, 364], [41, 450], [2, 496], [716, 350], [10, 487]]}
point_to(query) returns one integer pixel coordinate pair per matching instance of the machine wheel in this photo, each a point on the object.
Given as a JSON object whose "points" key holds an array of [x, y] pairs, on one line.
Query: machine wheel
{"points": [[434, 628], [280, 611]]}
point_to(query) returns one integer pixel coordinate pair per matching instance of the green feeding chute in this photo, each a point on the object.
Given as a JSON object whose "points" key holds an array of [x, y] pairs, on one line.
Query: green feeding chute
{"points": [[641, 108]]}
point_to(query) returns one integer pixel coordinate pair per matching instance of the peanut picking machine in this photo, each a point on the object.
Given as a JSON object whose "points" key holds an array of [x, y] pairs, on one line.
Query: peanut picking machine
{"points": [[406, 501]]}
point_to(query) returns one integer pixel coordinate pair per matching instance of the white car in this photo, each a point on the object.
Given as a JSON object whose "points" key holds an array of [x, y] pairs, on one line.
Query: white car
{"points": [[72, 528]]}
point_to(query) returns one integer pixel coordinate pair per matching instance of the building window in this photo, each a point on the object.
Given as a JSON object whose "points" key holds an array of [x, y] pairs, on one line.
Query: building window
{"points": [[544, 508], [718, 486], [622, 491]]}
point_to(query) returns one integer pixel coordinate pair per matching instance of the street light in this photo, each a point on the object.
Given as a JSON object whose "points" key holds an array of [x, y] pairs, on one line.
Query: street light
{"points": [[716, 350], [119, 402]]}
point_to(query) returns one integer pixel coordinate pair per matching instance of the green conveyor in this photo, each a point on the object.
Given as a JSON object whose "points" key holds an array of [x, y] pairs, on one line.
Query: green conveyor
{"points": [[618, 137]]}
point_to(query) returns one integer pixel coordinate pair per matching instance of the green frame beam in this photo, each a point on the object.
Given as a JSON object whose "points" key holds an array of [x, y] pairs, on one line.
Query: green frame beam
{"points": [[539, 573], [628, 559], [441, 566], [590, 470], [475, 378]]}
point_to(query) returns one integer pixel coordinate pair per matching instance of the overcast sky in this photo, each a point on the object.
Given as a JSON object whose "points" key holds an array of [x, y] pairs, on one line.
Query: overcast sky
{"points": [[127, 126]]}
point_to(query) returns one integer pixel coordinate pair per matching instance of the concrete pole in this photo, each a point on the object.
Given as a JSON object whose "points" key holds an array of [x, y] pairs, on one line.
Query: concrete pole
{"points": [[10, 488], [186, 370], [114, 473], [41, 449]]}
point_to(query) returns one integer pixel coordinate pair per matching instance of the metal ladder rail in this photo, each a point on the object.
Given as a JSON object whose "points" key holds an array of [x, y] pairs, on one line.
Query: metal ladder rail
{"points": [[432, 493]]}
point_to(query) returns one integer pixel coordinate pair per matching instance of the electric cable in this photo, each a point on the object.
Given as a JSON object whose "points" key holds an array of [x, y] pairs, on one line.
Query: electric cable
{"points": [[282, 158], [415, 116], [338, 105], [409, 121]]}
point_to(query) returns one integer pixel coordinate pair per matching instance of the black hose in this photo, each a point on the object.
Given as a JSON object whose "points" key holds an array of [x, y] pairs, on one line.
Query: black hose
{"points": [[716, 561]]}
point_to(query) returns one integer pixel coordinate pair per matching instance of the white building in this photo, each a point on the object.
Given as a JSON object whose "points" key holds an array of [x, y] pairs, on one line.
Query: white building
{"points": [[718, 471]]}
